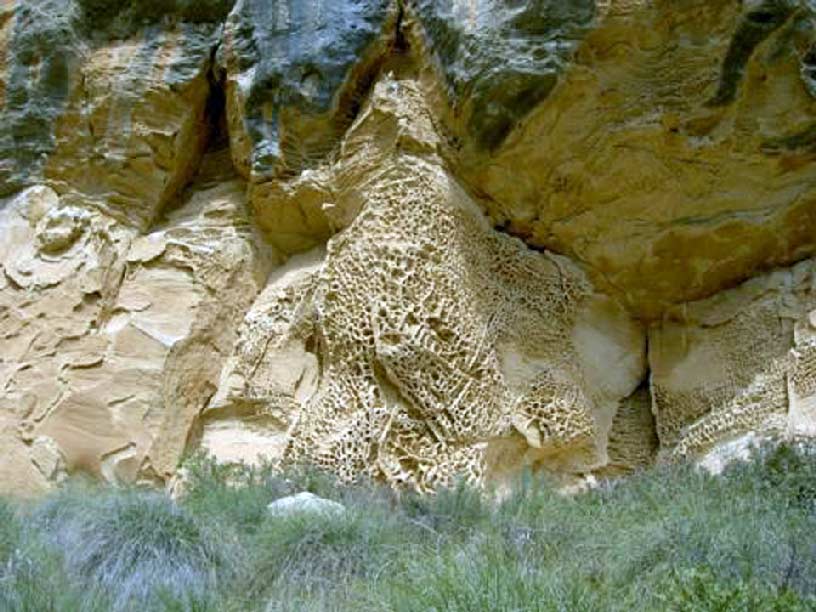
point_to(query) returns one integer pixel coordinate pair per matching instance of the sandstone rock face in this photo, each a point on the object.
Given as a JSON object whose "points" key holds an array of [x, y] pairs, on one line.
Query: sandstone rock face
{"points": [[410, 240], [112, 341], [137, 120], [742, 361], [41, 49], [424, 339], [672, 159], [500, 59], [295, 75], [103, 84]]}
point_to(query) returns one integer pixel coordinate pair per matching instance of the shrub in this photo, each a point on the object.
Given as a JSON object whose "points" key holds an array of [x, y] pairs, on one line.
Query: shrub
{"points": [[235, 496], [455, 511], [31, 576], [786, 471], [322, 556], [698, 590]]}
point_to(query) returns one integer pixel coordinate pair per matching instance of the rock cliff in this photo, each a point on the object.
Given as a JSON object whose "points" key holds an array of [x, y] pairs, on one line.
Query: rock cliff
{"points": [[411, 240]]}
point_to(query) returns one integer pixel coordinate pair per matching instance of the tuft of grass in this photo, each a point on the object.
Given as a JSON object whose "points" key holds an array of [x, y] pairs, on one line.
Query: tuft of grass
{"points": [[235, 495], [31, 575], [322, 557], [10, 530], [453, 511], [137, 546]]}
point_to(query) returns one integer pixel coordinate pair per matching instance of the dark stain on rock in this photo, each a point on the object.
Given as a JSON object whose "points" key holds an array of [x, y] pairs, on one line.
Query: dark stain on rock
{"points": [[801, 140], [122, 17], [501, 59], [49, 40], [754, 27], [42, 55], [301, 55]]}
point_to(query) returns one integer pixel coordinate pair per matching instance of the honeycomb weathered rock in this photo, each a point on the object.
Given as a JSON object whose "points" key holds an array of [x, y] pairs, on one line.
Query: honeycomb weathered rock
{"points": [[431, 335], [739, 362]]}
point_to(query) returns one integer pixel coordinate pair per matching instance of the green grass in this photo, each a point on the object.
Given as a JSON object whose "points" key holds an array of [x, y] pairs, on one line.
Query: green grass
{"points": [[672, 538]]}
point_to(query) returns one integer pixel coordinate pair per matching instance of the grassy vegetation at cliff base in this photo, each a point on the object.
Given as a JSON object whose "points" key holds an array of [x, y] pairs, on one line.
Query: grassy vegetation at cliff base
{"points": [[673, 538]]}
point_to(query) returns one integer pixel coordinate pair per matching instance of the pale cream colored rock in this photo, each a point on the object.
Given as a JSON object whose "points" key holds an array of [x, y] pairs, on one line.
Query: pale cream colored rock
{"points": [[47, 457], [728, 452], [114, 342], [244, 439], [742, 361], [273, 367], [19, 476], [424, 340], [306, 504]]}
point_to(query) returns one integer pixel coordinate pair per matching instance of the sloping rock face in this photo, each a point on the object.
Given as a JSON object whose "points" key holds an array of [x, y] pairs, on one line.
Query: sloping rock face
{"points": [[408, 240]]}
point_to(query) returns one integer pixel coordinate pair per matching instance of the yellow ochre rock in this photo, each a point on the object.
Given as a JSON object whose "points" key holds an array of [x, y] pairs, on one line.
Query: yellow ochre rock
{"points": [[410, 240]]}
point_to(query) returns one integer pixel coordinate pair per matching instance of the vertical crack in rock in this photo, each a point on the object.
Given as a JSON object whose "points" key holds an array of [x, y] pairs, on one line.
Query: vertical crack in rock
{"points": [[227, 263], [136, 116], [633, 441]]}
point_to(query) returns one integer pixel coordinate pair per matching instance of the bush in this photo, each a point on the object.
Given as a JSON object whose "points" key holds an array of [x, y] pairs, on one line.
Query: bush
{"points": [[698, 590], [454, 511], [31, 576], [323, 556], [235, 496], [785, 471]]}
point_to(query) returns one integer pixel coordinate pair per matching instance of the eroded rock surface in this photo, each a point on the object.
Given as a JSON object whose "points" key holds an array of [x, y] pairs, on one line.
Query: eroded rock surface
{"points": [[739, 362], [411, 240], [673, 157], [500, 59], [424, 339], [106, 99], [112, 341]]}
